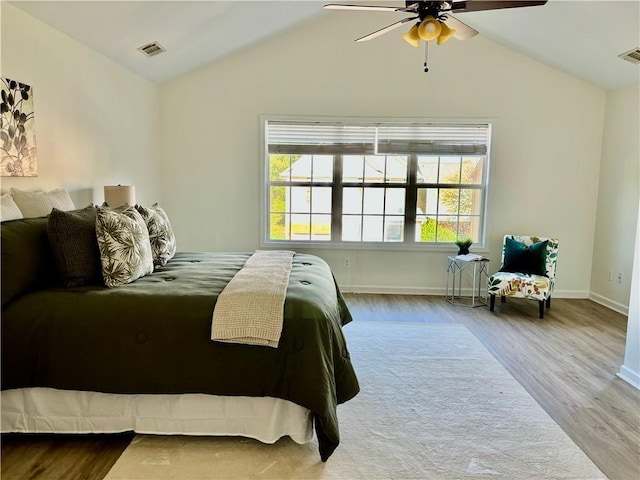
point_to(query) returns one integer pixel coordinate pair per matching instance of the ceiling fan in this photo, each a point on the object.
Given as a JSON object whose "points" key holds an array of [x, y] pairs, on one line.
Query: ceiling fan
{"points": [[432, 20]]}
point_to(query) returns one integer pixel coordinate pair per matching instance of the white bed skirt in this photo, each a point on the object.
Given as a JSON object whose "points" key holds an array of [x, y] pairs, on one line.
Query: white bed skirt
{"points": [[47, 410]]}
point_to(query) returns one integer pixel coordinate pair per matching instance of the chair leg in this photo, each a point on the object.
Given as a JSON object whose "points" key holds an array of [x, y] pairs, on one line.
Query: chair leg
{"points": [[492, 302], [541, 308], [503, 298], [549, 302]]}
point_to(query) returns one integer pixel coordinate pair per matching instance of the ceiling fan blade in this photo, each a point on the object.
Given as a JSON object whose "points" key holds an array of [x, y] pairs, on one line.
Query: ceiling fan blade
{"points": [[463, 31], [386, 29], [480, 5], [369, 8]]}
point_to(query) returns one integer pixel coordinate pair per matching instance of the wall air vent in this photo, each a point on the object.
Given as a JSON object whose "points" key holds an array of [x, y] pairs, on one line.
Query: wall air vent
{"points": [[632, 55], [152, 49]]}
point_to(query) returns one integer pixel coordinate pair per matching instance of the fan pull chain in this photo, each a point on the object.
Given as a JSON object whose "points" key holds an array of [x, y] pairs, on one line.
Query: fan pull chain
{"points": [[426, 56]]}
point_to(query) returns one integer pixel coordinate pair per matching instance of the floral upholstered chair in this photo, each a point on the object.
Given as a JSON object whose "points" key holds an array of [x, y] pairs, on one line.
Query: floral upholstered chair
{"points": [[528, 270]]}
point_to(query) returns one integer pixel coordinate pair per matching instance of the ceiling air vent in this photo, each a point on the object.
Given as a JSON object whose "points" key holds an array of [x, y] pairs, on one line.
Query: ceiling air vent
{"points": [[152, 49], [632, 55]]}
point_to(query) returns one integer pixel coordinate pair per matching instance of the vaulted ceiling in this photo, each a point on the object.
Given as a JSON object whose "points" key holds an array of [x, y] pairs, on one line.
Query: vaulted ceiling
{"points": [[583, 38]]}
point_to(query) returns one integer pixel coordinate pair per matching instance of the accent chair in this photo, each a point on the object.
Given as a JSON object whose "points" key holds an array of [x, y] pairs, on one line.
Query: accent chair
{"points": [[528, 271]]}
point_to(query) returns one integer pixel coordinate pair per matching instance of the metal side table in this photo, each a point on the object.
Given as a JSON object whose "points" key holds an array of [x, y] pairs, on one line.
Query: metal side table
{"points": [[477, 271]]}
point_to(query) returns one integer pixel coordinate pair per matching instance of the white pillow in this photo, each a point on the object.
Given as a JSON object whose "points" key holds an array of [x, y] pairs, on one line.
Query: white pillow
{"points": [[8, 208], [40, 204]]}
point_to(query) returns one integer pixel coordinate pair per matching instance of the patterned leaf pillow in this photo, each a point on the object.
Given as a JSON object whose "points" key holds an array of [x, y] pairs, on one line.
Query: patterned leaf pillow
{"points": [[163, 241], [123, 240]]}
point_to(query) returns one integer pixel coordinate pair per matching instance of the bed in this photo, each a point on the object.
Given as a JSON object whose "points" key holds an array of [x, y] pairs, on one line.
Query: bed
{"points": [[142, 352]]}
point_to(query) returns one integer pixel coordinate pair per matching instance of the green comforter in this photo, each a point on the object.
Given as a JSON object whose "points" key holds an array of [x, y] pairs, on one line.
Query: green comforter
{"points": [[154, 336]]}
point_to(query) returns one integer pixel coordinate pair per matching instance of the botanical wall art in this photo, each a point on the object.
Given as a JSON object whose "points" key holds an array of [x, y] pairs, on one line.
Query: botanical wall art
{"points": [[17, 131]]}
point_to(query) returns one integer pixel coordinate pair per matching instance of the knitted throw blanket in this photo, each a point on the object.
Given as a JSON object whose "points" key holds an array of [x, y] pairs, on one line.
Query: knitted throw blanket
{"points": [[250, 309]]}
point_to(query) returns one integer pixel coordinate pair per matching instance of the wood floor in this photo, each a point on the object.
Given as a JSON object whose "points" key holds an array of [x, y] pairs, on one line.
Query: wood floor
{"points": [[567, 362]]}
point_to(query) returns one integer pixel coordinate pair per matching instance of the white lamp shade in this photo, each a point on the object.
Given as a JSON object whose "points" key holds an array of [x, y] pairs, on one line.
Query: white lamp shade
{"points": [[118, 195]]}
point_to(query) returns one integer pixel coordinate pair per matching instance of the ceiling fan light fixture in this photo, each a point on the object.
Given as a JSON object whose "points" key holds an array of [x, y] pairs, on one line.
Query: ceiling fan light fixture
{"points": [[412, 37], [429, 28], [445, 34]]}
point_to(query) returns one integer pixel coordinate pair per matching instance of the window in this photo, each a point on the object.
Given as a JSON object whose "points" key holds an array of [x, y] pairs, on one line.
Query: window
{"points": [[380, 183]]}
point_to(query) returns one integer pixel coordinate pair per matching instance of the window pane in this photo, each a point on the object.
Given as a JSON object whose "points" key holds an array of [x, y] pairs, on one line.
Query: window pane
{"points": [[464, 226], [396, 171], [469, 226], [300, 227], [352, 168], [278, 229], [374, 200], [323, 168], [472, 170], [428, 169], [278, 199], [470, 201], [393, 229], [395, 201], [426, 229], [449, 170], [351, 228], [279, 168], [352, 200], [321, 199], [446, 229], [301, 168], [374, 168], [427, 201], [448, 201], [475, 226], [300, 199], [371, 229], [321, 227]]}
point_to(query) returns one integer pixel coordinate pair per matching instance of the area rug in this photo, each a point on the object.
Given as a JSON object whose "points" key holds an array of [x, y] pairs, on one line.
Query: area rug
{"points": [[434, 404]]}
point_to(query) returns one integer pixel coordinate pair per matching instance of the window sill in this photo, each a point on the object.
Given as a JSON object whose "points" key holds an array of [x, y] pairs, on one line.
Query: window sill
{"points": [[373, 246]]}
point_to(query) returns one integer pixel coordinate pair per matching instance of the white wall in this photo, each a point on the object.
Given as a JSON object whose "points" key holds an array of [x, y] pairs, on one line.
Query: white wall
{"points": [[96, 123], [546, 150], [617, 232], [618, 193], [630, 369]]}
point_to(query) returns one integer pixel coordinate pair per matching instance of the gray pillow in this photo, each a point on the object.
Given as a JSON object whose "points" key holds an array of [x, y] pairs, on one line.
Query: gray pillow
{"points": [[161, 236], [123, 240], [72, 236]]}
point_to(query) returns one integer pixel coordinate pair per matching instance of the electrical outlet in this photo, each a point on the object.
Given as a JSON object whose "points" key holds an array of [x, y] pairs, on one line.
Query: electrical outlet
{"points": [[611, 274], [619, 278], [346, 263]]}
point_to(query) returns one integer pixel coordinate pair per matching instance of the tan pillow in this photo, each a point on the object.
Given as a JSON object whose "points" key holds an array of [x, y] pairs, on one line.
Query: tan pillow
{"points": [[8, 208], [40, 204]]}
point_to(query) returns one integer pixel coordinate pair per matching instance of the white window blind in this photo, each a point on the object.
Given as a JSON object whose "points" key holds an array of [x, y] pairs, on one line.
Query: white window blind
{"points": [[376, 138]]}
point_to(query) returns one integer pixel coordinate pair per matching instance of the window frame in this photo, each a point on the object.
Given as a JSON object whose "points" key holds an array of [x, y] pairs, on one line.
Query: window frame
{"points": [[411, 185]]}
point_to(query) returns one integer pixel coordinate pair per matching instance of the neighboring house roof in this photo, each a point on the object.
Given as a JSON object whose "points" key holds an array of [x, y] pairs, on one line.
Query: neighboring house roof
{"points": [[321, 168]]}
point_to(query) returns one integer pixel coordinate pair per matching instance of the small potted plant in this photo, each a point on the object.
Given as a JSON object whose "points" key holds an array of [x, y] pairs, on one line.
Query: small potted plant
{"points": [[463, 245]]}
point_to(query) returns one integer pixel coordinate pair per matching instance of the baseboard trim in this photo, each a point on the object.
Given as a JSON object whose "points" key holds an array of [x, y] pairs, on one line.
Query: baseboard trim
{"points": [[578, 294], [607, 302], [396, 290], [392, 290], [629, 376]]}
